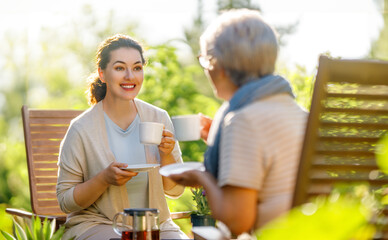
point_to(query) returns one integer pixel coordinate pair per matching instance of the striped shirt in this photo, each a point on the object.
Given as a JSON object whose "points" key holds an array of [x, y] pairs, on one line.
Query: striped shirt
{"points": [[260, 149]]}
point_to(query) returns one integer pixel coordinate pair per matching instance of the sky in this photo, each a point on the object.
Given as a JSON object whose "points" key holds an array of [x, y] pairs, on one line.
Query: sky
{"points": [[345, 28]]}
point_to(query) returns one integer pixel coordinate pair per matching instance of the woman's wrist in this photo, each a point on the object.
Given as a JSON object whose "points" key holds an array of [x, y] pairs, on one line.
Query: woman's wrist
{"points": [[101, 179], [166, 159]]}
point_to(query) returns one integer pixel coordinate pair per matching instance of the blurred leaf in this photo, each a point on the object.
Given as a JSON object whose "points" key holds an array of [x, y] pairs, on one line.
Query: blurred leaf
{"points": [[201, 203], [46, 229], [335, 217], [36, 228], [29, 233], [58, 234], [52, 227], [5, 219], [7, 236], [20, 234], [382, 153]]}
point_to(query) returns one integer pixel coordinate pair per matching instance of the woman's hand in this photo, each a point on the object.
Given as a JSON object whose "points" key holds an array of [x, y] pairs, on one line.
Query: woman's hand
{"points": [[86, 193], [167, 144], [206, 122], [113, 175], [188, 178]]}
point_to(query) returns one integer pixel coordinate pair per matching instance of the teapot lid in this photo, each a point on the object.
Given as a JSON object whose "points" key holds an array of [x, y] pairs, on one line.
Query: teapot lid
{"points": [[140, 211]]}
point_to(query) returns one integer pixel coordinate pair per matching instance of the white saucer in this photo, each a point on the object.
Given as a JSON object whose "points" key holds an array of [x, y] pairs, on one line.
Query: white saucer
{"points": [[141, 167], [178, 168]]}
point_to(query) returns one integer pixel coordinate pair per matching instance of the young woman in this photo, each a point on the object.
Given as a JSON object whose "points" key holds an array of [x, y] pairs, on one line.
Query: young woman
{"points": [[255, 139], [91, 186]]}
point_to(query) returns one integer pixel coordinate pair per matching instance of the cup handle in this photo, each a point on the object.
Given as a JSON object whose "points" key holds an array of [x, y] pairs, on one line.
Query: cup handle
{"points": [[115, 226]]}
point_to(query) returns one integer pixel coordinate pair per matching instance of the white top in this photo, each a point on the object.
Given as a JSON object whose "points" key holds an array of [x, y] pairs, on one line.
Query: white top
{"points": [[126, 147], [260, 149]]}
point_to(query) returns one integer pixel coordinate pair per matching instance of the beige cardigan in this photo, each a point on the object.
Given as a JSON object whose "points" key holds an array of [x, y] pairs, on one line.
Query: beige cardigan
{"points": [[85, 152]]}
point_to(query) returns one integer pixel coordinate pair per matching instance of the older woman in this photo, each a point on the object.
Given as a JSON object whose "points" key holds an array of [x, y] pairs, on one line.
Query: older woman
{"points": [[255, 139]]}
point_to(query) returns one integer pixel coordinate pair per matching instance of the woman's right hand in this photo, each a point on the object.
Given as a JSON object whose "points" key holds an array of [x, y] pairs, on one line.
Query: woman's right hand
{"points": [[86, 193], [206, 122], [113, 175]]}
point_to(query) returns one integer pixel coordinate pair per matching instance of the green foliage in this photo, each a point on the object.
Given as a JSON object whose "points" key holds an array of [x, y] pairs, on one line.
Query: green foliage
{"points": [[5, 219], [36, 230], [342, 215], [382, 154], [170, 85], [14, 175], [227, 4], [201, 203], [302, 84]]}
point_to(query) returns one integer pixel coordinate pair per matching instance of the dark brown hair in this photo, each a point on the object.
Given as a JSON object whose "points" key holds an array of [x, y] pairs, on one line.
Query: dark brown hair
{"points": [[96, 88]]}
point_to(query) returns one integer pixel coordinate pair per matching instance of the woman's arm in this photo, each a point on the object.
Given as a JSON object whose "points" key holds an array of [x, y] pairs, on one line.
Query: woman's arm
{"points": [[234, 206], [85, 194], [165, 150]]}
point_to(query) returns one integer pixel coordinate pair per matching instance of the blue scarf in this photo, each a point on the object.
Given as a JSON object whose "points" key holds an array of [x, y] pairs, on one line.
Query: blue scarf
{"points": [[246, 94]]}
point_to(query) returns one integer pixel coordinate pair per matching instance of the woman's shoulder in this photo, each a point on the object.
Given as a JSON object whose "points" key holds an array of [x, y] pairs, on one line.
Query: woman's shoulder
{"points": [[268, 110], [276, 104], [149, 112], [145, 106], [85, 119]]}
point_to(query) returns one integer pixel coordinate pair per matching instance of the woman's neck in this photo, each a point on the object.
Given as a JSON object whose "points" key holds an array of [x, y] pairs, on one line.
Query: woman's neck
{"points": [[120, 112]]}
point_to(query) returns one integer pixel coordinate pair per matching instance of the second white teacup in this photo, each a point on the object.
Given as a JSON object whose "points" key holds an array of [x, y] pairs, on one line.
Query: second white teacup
{"points": [[187, 127], [151, 132]]}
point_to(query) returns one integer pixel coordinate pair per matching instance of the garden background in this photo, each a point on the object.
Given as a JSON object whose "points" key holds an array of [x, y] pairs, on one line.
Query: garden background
{"points": [[51, 73]]}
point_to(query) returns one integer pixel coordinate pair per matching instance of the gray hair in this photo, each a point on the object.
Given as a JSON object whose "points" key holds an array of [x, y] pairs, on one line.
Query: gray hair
{"points": [[242, 43]]}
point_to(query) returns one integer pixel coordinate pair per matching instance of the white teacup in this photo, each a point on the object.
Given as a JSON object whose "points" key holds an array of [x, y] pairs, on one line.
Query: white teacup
{"points": [[151, 132], [187, 127]]}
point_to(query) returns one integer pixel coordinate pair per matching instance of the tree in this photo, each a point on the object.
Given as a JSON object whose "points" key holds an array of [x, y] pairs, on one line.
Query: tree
{"points": [[193, 33], [230, 4]]}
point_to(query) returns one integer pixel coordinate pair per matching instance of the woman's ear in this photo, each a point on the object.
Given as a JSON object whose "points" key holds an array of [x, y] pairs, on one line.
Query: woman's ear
{"points": [[101, 75]]}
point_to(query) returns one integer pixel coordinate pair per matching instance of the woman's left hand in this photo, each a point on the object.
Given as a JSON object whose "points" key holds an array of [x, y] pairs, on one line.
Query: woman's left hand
{"points": [[167, 144]]}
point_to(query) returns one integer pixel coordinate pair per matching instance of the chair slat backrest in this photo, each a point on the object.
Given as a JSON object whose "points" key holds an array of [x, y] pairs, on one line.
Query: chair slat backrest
{"points": [[43, 133], [348, 115]]}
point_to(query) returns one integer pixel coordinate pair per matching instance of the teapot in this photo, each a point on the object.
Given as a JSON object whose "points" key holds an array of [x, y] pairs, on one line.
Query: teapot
{"points": [[137, 224]]}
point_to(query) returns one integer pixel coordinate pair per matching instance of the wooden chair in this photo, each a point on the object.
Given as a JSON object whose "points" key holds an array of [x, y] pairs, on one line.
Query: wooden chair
{"points": [[43, 133], [349, 114]]}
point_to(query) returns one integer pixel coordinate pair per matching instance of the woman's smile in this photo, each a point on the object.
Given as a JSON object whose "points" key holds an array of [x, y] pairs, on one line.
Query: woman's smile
{"points": [[127, 86]]}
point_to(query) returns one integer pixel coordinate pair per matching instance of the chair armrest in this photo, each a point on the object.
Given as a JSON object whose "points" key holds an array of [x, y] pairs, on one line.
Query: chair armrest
{"points": [[19, 212], [179, 215], [60, 220]]}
